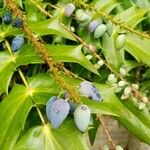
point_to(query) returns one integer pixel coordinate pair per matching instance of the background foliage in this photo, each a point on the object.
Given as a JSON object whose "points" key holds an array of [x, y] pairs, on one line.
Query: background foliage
{"points": [[26, 82]]}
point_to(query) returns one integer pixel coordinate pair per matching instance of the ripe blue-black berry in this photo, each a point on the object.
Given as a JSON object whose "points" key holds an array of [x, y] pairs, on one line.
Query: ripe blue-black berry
{"points": [[18, 22], [82, 117], [59, 110], [69, 9], [7, 17], [89, 90], [17, 43]]}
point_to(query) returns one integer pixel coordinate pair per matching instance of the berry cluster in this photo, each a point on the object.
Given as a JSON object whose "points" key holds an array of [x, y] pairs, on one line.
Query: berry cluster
{"points": [[98, 28], [18, 41], [96, 25], [16, 22], [58, 109]]}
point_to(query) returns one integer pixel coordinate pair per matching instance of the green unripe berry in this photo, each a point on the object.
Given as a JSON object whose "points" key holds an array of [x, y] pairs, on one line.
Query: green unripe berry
{"points": [[127, 91], [120, 41], [100, 62], [89, 57], [112, 78], [82, 117], [72, 29], [118, 89], [96, 66], [141, 105], [81, 15], [100, 30], [122, 71], [121, 83]]}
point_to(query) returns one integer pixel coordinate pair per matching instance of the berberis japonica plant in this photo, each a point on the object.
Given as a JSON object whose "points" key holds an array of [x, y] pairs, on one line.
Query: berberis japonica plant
{"points": [[65, 64]]}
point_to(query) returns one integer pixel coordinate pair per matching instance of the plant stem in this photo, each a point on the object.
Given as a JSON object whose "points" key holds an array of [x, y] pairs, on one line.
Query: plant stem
{"points": [[111, 142], [9, 49]]}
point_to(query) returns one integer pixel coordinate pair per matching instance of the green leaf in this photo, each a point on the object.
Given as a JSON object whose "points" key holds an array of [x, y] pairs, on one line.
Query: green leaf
{"points": [[105, 5], [143, 115], [32, 13], [68, 133], [138, 48], [8, 64], [65, 53], [43, 137], [7, 67], [50, 26], [131, 20], [12, 31], [129, 65], [44, 86], [68, 53], [143, 4], [38, 138], [114, 57], [126, 3], [92, 132], [28, 55], [19, 3], [14, 110]]}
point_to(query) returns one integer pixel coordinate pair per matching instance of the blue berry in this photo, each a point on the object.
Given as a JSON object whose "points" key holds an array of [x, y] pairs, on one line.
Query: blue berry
{"points": [[49, 104], [59, 110], [69, 9], [93, 25], [18, 22], [82, 117], [7, 17], [17, 43], [90, 91]]}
